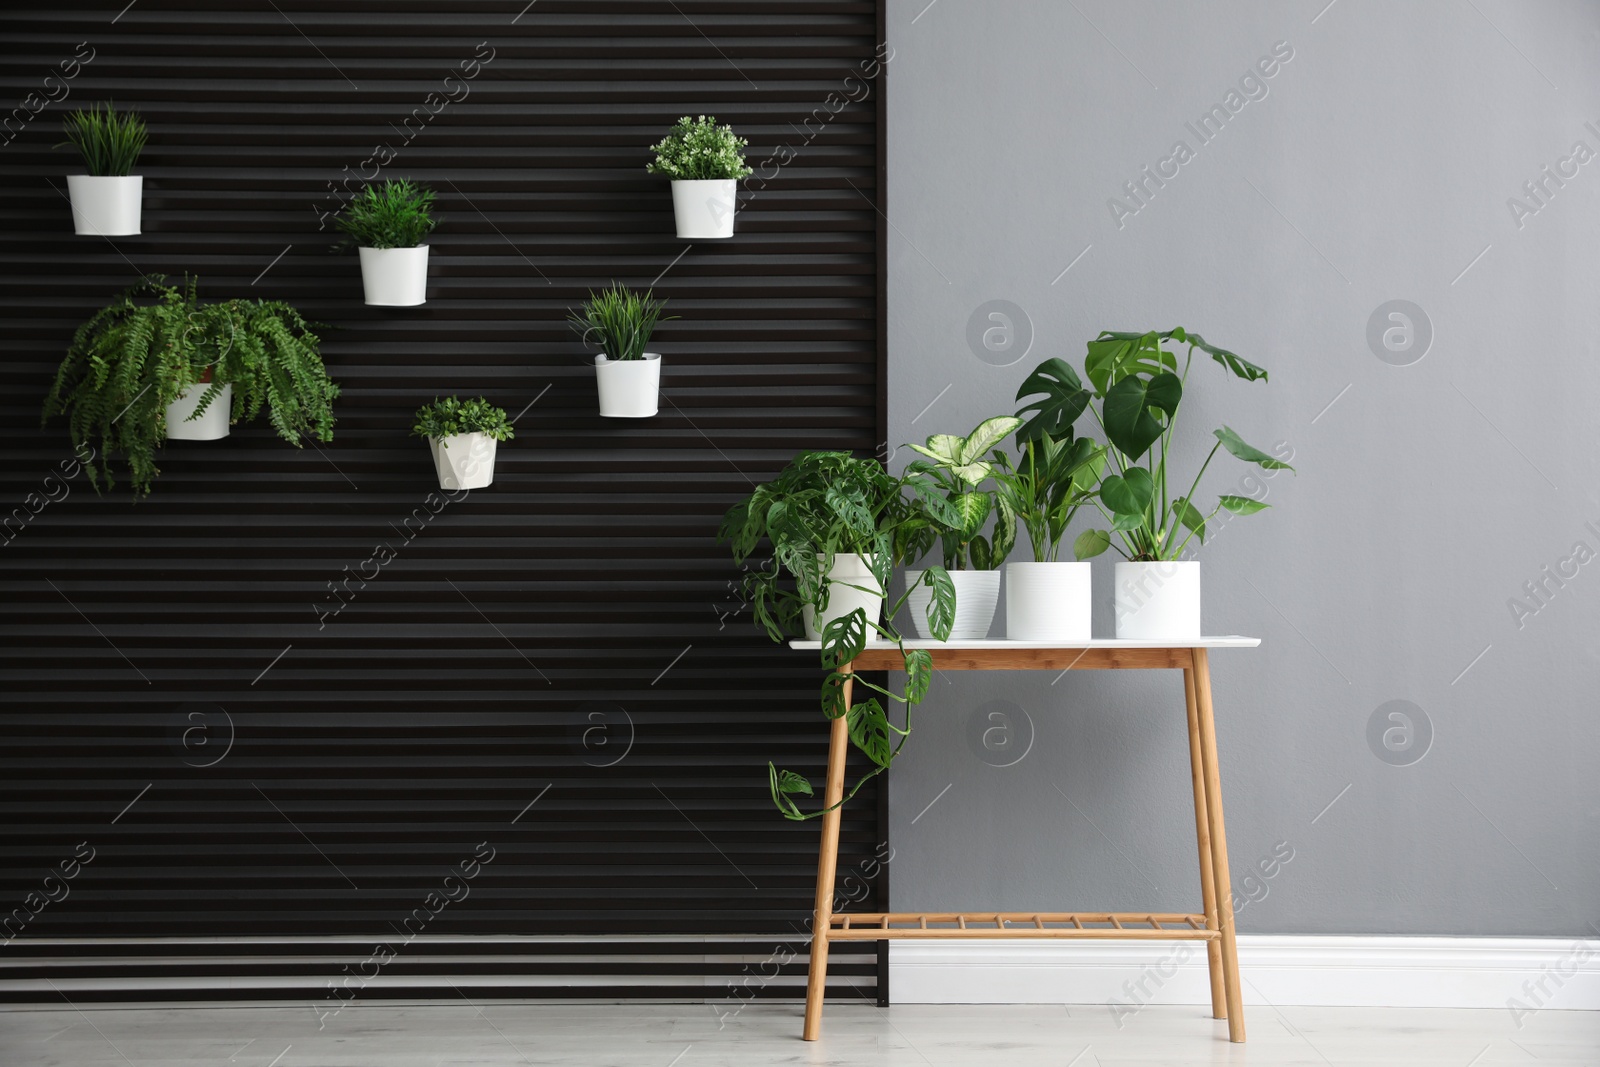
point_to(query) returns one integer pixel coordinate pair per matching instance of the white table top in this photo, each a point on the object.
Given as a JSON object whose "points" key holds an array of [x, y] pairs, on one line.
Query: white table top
{"points": [[1098, 642]]}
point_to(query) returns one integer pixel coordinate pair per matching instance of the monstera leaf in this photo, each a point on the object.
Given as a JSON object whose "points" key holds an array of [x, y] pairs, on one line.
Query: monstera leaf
{"points": [[1114, 356], [1064, 400], [1128, 411]]}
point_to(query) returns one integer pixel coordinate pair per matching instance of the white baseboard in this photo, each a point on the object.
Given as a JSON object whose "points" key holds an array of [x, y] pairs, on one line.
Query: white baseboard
{"points": [[1398, 972]]}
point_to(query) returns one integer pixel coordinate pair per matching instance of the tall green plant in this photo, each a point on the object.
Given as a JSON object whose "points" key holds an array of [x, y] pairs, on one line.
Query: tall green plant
{"points": [[110, 141], [822, 504], [699, 149], [619, 321], [396, 213], [1136, 381], [154, 342], [950, 499], [1052, 480]]}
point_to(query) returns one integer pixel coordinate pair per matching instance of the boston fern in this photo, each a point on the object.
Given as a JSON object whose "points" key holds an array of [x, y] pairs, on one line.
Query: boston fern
{"points": [[822, 504], [700, 150], [452, 416], [109, 141], [155, 341], [391, 214], [1136, 381]]}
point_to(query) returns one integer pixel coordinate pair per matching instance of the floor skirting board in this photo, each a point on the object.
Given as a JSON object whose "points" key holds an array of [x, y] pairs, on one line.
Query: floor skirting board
{"points": [[1518, 974]]}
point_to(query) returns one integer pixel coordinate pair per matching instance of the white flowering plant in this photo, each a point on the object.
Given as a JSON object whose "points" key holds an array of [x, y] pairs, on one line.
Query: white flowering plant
{"points": [[699, 150]]}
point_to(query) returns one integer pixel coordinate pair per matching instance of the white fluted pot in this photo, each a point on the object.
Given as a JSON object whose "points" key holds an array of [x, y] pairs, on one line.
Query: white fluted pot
{"points": [[976, 595], [1158, 601]]}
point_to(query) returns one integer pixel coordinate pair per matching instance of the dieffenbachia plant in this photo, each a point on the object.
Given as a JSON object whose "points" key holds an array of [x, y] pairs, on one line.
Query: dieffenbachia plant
{"points": [[1138, 387], [950, 501], [822, 504]]}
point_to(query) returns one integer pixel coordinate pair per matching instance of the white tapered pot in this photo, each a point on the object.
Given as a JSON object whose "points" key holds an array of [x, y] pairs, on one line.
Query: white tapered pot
{"points": [[704, 209], [1158, 601], [629, 388], [1048, 602], [105, 205], [464, 460], [212, 425], [851, 586], [395, 277], [976, 594]]}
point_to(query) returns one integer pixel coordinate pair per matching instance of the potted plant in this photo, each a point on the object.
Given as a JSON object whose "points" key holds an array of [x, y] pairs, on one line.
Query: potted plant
{"points": [[1048, 598], [106, 201], [823, 510], [156, 361], [705, 162], [463, 435], [387, 223], [620, 323], [1136, 382], [948, 496]]}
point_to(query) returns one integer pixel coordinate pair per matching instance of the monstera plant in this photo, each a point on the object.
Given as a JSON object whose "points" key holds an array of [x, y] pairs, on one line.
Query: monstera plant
{"points": [[837, 525]]}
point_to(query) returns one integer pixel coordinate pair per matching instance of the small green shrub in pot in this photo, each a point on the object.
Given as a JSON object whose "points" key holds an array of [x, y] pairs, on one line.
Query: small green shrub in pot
{"points": [[705, 162], [837, 526], [108, 200], [463, 435], [387, 223], [620, 322], [133, 375]]}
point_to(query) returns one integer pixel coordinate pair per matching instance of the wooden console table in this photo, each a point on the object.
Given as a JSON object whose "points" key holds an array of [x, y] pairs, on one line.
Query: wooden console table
{"points": [[1214, 925]]}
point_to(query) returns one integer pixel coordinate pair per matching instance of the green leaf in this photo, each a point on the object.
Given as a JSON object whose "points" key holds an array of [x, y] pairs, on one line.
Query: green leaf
{"points": [[942, 448], [1249, 453], [1116, 355], [1130, 493], [1128, 406], [982, 557], [972, 509], [1241, 368], [1190, 516], [936, 503], [942, 605], [791, 783], [833, 704], [989, 433], [780, 798], [1064, 400], [1243, 505], [1128, 522], [919, 674], [843, 639], [869, 730], [850, 504], [1091, 543], [973, 473]]}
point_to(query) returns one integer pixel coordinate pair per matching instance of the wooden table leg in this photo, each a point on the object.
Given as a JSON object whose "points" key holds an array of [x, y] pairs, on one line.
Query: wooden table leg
{"points": [[1219, 846], [1208, 885], [827, 865]]}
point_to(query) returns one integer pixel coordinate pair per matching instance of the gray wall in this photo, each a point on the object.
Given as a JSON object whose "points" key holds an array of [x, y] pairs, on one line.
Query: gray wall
{"points": [[1378, 165]]}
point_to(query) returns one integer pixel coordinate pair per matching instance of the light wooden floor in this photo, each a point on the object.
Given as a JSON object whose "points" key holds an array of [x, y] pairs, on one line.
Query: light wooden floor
{"points": [[679, 1035]]}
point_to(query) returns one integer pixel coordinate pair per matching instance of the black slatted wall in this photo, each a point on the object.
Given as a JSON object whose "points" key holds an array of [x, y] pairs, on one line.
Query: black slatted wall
{"points": [[284, 786]]}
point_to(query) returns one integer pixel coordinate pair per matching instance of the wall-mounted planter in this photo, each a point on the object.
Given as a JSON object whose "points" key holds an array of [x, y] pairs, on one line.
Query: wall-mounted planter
{"points": [[1158, 601], [704, 209], [212, 425], [395, 277], [1048, 602], [105, 205], [848, 572], [629, 388], [464, 461], [976, 595]]}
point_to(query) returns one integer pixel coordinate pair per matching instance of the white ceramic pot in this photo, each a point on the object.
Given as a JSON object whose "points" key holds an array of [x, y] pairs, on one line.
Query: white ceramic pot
{"points": [[464, 460], [629, 388], [976, 594], [1158, 601], [105, 205], [705, 209], [395, 277], [1048, 602], [849, 570], [210, 426]]}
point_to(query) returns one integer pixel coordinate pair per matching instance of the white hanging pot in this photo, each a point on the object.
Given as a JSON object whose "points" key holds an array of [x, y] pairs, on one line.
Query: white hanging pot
{"points": [[464, 460], [976, 594], [105, 205], [1048, 602], [704, 209], [1158, 601], [629, 388], [210, 426], [849, 570], [395, 277]]}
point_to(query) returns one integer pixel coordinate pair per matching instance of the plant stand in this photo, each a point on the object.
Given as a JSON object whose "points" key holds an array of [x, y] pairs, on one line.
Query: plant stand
{"points": [[1213, 924]]}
